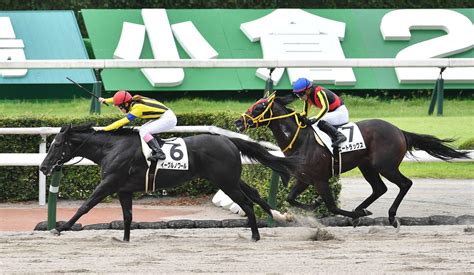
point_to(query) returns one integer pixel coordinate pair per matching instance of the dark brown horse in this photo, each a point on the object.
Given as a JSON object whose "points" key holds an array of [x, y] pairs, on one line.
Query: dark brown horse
{"points": [[386, 146]]}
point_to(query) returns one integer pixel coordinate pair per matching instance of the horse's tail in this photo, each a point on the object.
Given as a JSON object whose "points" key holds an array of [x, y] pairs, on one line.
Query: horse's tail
{"points": [[255, 151], [434, 146]]}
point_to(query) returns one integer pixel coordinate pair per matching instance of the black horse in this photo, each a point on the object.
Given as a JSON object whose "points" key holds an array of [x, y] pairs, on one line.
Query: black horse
{"points": [[386, 145], [212, 157]]}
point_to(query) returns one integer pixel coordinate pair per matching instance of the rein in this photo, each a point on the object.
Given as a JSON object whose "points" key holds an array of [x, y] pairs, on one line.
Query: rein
{"points": [[73, 153], [260, 119]]}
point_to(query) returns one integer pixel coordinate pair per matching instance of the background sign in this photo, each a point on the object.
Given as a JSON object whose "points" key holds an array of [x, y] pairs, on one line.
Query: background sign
{"points": [[41, 35], [241, 34]]}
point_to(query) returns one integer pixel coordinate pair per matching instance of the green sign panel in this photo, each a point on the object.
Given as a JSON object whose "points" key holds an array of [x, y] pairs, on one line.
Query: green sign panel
{"points": [[38, 35], [280, 34]]}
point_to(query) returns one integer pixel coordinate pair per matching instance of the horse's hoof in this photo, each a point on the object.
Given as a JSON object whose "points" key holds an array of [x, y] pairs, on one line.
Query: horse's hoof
{"points": [[54, 231], [256, 238], [367, 212], [119, 240], [277, 216], [355, 222], [396, 224]]}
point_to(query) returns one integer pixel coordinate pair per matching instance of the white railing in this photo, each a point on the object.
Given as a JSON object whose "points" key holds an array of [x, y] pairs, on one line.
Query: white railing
{"points": [[35, 159], [236, 63]]}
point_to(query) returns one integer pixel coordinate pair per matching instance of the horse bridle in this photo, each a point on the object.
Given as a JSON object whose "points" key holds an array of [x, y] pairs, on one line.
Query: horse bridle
{"points": [[58, 163], [262, 118]]}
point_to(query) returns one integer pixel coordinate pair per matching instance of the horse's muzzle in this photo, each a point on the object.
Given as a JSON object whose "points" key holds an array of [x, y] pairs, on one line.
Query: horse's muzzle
{"points": [[47, 170], [239, 125]]}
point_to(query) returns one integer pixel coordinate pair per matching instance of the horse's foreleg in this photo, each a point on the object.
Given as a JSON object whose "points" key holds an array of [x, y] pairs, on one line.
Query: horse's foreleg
{"points": [[97, 196], [126, 203], [296, 190]]}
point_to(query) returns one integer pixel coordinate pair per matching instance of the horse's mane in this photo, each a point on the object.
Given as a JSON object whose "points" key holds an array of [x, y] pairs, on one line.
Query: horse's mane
{"points": [[87, 128], [122, 132], [285, 100]]}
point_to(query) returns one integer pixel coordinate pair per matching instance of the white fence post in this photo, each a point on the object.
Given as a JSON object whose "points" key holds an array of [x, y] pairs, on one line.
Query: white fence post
{"points": [[42, 177]]}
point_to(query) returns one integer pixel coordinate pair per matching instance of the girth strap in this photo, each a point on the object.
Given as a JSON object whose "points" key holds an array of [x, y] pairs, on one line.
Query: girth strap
{"points": [[336, 162], [151, 177]]}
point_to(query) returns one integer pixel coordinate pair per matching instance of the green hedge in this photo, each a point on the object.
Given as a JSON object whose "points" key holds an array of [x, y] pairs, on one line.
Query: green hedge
{"points": [[78, 182]]}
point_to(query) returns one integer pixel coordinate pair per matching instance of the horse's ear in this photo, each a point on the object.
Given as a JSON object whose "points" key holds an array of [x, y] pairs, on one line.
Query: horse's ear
{"points": [[65, 128]]}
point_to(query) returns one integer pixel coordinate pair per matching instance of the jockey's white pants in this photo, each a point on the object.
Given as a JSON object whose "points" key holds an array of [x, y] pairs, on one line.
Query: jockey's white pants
{"points": [[337, 117], [167, 121]]}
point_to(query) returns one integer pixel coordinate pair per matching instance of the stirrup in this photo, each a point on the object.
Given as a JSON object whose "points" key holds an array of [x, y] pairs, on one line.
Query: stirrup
{"points": [[340, 139], [155, 156]]}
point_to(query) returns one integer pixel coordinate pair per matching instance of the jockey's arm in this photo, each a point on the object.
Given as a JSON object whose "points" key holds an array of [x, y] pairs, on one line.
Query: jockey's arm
{"points": [[120, 123], [109, 100], [305, 108], [324, 106]]}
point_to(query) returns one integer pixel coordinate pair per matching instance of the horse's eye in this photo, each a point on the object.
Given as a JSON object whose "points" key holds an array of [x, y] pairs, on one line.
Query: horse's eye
{"points": [[259, 108]]}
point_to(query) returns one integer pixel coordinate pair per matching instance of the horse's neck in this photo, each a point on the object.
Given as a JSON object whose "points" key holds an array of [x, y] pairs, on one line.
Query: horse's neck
{"points": [[285, 130], [91, 147]]}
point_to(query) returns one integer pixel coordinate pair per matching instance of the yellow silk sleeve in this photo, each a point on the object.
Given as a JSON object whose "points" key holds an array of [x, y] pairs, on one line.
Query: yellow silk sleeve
{"points": [[109, 100], [324, 105], [117, 124], [305, 108]]}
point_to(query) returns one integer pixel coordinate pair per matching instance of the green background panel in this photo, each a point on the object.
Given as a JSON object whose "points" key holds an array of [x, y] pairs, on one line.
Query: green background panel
{"points": [[47, 35], [221, 28]]}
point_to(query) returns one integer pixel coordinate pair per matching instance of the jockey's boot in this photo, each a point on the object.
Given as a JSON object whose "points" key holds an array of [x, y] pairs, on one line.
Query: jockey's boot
{"points": [[336, 136], [157, 153]]}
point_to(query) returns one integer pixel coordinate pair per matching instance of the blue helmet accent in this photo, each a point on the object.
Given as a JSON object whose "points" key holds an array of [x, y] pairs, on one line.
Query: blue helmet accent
{"points": [[301, 84]]}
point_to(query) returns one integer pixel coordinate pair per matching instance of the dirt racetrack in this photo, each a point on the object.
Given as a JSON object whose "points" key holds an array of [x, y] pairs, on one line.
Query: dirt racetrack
{"points": [[295, 250]]}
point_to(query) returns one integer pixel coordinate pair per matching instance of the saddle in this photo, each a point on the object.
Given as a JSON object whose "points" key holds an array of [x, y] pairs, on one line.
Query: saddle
{"points": [[354, 142], [176, 159]]}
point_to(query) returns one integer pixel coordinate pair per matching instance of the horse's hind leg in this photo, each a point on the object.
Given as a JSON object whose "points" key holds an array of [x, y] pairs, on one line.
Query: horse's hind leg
{"points": [[126, 203], [378, 187], [404, 184], [254, 196], [238, 196], [295, 191], [322, 187]]}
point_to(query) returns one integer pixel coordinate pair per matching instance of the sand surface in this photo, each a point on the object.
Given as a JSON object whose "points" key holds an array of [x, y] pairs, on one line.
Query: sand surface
{"points": [[229, 250]]}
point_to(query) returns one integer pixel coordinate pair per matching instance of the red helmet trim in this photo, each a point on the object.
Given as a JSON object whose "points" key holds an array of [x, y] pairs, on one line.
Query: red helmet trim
{"points": [[122, 97]]}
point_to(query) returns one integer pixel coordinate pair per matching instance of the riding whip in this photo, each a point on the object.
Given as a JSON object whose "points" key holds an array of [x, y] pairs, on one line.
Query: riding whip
{"points": [[89, 92]]}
